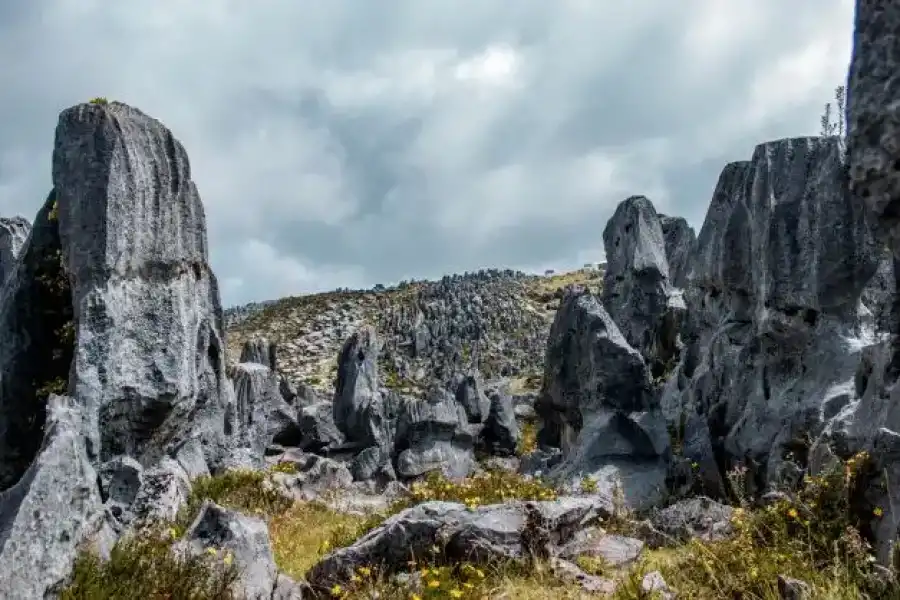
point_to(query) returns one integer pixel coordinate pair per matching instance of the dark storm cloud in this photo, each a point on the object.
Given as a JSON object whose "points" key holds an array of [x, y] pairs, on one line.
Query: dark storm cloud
{"points": [[346, 143]]}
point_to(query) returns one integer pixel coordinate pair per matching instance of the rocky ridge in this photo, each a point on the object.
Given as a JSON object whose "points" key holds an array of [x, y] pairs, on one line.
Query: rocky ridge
{"points": [[495, 321]]}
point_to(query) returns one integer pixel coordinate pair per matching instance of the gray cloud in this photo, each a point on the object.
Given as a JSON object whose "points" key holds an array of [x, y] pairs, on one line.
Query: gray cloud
{"points": [[347, 143]]}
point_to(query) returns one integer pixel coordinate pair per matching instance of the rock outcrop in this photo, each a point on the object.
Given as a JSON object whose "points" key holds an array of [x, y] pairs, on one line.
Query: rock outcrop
{"points": [[599, 407], [637, 287], [773, 311], [13, 233], [149, 348], [871, 422], [111, 301]]}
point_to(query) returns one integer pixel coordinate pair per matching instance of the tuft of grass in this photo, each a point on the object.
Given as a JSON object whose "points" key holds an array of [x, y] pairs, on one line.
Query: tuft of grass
{"points": [[144, 568], [243, 490], [528, 438], [99, 100], [306, 532]]}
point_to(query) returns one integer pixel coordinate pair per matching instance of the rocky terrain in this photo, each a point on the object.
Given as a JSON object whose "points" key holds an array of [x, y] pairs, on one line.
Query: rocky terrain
{"points": [[493, 321], [715, 412]]}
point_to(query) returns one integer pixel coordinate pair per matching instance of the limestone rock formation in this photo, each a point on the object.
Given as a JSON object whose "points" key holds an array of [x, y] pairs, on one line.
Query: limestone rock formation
{"points": [[111, 300], [873, 148], [637, 287], [488, 532], [598, 405], [773, 311], [50, 509], [13, 233], [358, 404], [149, 349], [36, 344]]}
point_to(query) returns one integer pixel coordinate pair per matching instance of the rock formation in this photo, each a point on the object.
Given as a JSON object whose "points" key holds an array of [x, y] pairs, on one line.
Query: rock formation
{"points": [[13, 233], [113, 353], [598, 405], [768, 342], [871, 422]]}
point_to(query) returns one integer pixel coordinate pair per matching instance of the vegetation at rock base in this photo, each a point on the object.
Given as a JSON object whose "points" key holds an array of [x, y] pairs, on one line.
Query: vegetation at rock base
{"points": [[145, 568], [813, 535]]}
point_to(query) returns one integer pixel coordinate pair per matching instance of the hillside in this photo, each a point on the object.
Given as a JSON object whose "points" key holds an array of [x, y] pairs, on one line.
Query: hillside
{"points": [[495, 320]]}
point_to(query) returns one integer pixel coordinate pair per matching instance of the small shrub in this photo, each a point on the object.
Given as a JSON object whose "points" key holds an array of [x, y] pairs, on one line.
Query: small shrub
{"points": [[145, 568], [99, 100], [813, 535], [241, 489], [528, 438]]}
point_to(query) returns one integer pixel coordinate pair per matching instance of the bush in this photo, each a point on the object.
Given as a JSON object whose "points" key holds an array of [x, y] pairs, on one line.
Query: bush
{"points": [[144, 568], [813, 535]]}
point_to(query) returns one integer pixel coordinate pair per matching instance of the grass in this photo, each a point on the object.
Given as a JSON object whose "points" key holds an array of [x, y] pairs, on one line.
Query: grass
{"points": [[813, 535], [144, 568]]}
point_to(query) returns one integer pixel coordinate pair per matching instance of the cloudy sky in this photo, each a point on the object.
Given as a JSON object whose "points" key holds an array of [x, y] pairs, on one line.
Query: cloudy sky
{"points": [[352, 142]]}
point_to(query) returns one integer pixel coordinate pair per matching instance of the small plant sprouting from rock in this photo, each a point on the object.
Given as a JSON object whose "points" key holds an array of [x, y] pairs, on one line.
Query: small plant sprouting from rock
{"points": [[833, 116], [100, 100]]}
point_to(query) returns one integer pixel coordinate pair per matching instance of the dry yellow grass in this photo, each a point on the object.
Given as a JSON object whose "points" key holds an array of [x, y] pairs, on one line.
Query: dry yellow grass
{"points": [[812, 537]]}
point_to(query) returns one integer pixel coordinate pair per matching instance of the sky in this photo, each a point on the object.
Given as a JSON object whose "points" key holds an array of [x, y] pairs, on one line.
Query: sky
{"points": [[353, 142]]}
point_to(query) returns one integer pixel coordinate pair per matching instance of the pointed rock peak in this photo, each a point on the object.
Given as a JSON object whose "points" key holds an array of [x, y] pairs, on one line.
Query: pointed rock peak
{"points": [[633, 239], [260, 351], [133, 236]]}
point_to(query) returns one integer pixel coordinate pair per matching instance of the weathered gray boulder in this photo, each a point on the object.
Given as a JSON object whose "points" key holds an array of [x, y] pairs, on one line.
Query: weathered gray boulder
{"points": [[121, 479], [164, 491], [500, 435], [312, 475], [48, 512], [358, 405], [433, 434], [149, 350], [13, 234], [262, 415], [319, 433], [480, 535], [597, 405], [256, 396], [694, 518], [260, 351], [637, 290], [470, 394], [774, 327], [245, 538]]}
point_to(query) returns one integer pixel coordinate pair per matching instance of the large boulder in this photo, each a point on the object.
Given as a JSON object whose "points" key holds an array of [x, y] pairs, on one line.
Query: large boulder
{"points": [[497, 531], [774, 328], [598, 405], [49, 511], [149, 362], [433, 434], [359, 410], [637, 290]]}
